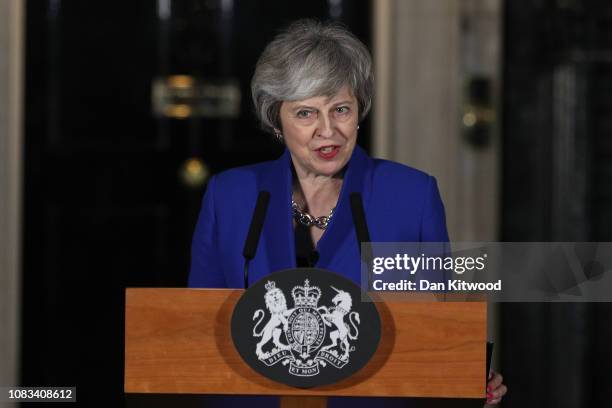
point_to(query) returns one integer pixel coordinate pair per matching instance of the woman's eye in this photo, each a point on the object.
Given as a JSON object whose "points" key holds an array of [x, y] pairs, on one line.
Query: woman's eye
{"points": [[342, 109], [304, 114]]}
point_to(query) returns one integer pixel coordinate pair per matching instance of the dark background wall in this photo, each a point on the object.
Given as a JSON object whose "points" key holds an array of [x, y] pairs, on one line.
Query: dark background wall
{"points": [[557, 186]]}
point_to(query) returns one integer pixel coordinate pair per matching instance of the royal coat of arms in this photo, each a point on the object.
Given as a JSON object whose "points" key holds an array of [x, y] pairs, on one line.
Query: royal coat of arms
{"points": [[306, 336]]}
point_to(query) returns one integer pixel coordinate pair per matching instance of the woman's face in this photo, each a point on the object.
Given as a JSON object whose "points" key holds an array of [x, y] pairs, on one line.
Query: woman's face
{"points": [[320, 132]]}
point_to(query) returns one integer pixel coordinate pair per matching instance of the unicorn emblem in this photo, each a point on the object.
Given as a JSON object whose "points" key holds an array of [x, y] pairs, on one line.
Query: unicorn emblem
{"points": [[335, 316]]}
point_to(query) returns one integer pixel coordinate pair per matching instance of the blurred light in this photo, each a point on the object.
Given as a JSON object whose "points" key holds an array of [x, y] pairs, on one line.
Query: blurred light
{"points": [[227, 6], [475, 114], [178, 111], [194, 172], [182, 96], [163, 9], [181, 81], [469, 119]]}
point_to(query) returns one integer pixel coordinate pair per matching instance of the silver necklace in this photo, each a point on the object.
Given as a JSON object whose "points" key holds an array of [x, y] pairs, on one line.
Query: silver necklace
{"points": [[308, 220]]}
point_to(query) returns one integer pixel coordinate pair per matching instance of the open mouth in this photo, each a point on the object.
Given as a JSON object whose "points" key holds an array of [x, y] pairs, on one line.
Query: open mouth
{"points": [[328, 152]]}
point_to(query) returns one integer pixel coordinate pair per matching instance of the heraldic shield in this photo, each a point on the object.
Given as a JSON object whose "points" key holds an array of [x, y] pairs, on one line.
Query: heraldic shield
{"points": [[305, 327]]}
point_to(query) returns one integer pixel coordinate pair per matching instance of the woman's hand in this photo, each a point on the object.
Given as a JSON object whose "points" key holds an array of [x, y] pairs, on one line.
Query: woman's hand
{"points": [[495, 388]]}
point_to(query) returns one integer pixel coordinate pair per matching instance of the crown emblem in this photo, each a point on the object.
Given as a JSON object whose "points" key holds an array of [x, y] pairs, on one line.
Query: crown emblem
{"points": [[270, 285], [306, 296]]}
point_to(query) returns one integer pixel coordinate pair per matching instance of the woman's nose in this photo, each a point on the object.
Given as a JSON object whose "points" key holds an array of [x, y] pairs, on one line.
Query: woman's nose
{"points": [[326, 127]]}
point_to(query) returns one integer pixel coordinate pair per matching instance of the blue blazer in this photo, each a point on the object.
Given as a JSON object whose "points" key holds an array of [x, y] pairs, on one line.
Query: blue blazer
{"points": [[401, 205]]}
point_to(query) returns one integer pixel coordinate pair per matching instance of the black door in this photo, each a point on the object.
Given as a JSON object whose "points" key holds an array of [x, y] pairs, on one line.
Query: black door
{"points": [[123, 126], [557, 186]]}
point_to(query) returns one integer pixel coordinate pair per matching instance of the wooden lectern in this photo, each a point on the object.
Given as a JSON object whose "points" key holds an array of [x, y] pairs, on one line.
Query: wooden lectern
{"points": [[178, 341]]}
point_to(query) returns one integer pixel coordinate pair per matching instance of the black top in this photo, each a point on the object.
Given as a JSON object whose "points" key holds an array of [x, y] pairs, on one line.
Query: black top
{"points": [[306, 255]]}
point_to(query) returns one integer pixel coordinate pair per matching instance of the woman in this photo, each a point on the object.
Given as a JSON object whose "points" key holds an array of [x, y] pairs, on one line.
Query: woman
{"points": [[312, 86]]}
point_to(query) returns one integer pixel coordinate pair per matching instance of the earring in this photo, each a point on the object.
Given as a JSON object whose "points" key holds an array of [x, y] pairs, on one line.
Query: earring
{"points": [[279, 136], [357, 127]]}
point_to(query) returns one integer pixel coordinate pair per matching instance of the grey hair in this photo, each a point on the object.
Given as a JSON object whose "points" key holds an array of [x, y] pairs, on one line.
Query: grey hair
{"points": [[310, 59]]}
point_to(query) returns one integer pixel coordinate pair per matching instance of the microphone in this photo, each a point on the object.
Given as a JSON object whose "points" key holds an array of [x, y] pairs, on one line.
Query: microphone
{"points": [[252, 239], [361, 228], [313, 258], [359, 219]]}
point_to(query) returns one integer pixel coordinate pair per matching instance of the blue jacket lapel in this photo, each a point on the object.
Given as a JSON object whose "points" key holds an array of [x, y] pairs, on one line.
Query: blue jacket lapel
{"points": [[341, 225], [278, 236]]}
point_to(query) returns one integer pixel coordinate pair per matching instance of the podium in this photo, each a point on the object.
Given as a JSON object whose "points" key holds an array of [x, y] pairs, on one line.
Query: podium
{"points": [[178, 341]]}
